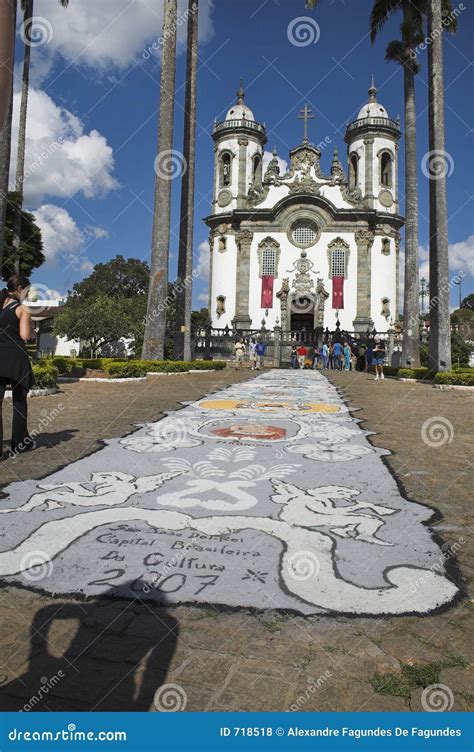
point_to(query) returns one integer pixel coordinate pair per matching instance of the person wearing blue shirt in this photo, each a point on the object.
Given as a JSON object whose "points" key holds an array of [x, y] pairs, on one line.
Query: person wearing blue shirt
{"points": [[337, 355], [260, 352]]}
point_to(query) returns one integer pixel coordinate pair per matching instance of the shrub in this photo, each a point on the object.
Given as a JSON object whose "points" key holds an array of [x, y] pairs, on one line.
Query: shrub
{"points": [[126, 370], [46, 376], [459, 378], [95, 364], [204, 365], [62, 363], [414, 373]]}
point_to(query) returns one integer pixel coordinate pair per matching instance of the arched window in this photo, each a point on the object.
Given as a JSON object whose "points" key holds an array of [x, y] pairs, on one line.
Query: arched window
{"points": [[268, 253], [222, 244], [225, 169], [257, 169], [268, 262], [386, 169], [338, 258], [338, 262], [353, 171]]}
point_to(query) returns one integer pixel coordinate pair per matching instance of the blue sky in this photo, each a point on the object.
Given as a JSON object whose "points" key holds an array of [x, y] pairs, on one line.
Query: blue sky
{"points": [[91, 139]]}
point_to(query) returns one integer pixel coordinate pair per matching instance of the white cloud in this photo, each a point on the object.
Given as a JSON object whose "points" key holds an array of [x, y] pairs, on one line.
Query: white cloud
{"points": [[202, 266], [461, 256], [59, 231], [97, 232], [61, 160], [203, 297], [110, 34], [282, 163], [63, 238], [461, 259]]}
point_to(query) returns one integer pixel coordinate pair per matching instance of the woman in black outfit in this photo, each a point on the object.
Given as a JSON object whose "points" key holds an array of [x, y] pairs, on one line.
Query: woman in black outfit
{"points": [[15, 368]]}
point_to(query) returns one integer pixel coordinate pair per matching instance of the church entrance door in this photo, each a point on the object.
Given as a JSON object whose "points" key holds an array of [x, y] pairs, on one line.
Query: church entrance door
{"points": [[302, 314]]}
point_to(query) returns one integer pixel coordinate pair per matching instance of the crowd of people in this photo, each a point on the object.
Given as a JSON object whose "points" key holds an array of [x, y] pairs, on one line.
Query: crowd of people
{"points": [[343, 356], [256, 350], [336, 356]]}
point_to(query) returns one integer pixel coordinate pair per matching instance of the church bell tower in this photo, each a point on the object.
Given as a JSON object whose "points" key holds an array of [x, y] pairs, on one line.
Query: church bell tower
{"points": [[372, 154]]}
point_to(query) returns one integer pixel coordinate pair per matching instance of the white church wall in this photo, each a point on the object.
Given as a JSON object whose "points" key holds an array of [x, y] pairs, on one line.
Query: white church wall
{"points": [[223, 281], [383, 283]]}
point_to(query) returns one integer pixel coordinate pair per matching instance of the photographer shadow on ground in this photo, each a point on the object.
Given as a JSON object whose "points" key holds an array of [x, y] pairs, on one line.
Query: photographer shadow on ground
{"points": [[116, 659]]}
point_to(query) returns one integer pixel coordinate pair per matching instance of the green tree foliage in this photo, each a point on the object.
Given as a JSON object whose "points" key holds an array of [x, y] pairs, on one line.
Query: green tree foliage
{"points": [[460, 349], [468, 302], [31, 244], [463, 321], [199, 319], [107, 305]]}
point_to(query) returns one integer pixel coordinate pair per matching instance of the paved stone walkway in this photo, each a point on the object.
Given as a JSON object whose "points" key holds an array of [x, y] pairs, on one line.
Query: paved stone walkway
{"points": [[123, 650]]}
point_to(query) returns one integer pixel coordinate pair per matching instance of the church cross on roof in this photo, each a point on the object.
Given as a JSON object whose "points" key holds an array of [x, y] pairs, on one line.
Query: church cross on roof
{"points": [[305, 114]]}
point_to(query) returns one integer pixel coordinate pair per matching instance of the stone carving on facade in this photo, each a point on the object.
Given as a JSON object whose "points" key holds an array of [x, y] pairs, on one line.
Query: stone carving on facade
{"points": [[337, 170], [351, 195], [244, 238], [220, 305], [397, 242], [302, 283], [304, 184], [273, 168], [303, 160], [282, 296], [385, 312], [364, 237], [321, 296], [257, 194]]}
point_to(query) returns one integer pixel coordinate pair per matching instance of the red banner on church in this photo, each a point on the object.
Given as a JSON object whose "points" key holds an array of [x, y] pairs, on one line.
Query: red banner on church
{"points": [[338, 292], [267, 292]]}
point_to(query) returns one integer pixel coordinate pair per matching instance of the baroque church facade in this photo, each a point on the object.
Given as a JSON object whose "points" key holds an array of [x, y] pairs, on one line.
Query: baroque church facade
{"points": [[305, 248]]}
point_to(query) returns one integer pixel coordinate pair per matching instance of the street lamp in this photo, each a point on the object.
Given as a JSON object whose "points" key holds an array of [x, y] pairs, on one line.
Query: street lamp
{"points": [[423, 293]]}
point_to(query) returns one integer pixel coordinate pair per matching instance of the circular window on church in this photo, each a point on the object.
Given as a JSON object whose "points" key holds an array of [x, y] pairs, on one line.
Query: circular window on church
{"points": [[304, 233]]}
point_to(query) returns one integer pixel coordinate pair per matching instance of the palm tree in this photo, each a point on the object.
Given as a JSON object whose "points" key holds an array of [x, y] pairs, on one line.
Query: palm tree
{"points": [[7, 55], [182, 337], [403, 51], [155, 323], [27, 8], [440, 329]]}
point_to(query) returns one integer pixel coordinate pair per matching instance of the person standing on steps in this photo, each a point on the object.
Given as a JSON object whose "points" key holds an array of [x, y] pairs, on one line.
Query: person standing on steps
{"points": [[379, 359], [239, 350], [337, 356], [302, 353], [253, 354], [325, 355], [260, 352], [15, 367], [347, 356], [293, 358]]}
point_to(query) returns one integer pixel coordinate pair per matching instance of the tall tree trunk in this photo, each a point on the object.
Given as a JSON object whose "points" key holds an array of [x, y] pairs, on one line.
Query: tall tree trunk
{"points": [[7, 55], [182, 339], [155, 323], [411, 308], [440, 326], [20, 159], [7, 51]]}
